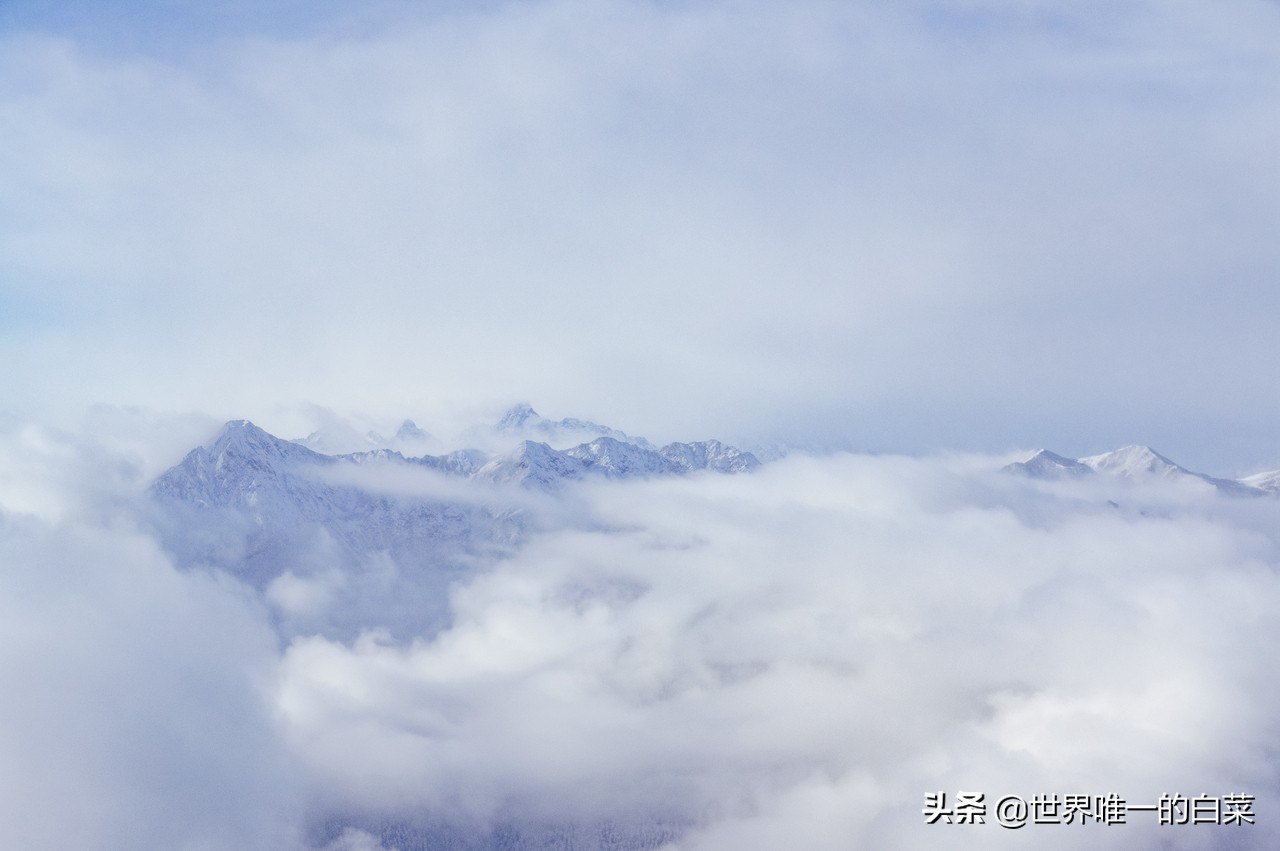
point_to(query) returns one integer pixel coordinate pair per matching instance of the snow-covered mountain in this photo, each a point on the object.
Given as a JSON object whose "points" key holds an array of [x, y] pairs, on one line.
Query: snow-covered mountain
{"points": [[262, 507], [521, 421], [1045, 464], [1136, 463], [338, 438], [538, 465], [1133, 461], [270, 510], [1268, 481]]}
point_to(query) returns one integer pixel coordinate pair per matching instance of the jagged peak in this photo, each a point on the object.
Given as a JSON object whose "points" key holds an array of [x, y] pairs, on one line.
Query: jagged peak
{"points": [[409, 430], [239, 432], [517, 416], [526, 448], [604, 443], [709, 454], [242, 437]]}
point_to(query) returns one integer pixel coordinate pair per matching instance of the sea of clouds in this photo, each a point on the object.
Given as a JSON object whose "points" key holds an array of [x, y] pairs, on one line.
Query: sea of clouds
{"points": [[792, 658]]}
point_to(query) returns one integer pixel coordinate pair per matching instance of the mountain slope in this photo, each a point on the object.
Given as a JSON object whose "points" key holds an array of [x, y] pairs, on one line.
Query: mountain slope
{"points": [[1133, 463], [262, 507], [1045, 464], [259, 507]]}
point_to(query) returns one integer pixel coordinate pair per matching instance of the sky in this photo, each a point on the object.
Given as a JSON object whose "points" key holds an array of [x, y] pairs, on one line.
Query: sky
{"points": [[902, 227]]}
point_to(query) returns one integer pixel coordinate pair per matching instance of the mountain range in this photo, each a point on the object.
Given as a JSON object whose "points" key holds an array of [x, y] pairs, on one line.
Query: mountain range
{"points": [[1139, 463], [390, 532], [337, 544]]}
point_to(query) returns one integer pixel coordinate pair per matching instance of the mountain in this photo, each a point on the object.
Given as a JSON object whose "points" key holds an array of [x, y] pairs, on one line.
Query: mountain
{"points": [[1268, 481], [270, 510], [532, 464], [1045, 465], [537, 465], [522, 421], [618, 460], [1128, 462], [409, 431], [709, 455], [339, 437]]}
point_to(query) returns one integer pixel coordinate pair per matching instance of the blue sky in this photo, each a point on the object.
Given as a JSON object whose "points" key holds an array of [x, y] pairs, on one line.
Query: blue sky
{"points": [[891, 227]]}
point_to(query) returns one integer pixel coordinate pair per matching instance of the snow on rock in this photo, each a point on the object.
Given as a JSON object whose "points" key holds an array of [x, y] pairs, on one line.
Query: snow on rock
{"points": [[262, 507], [1268, 481], [534, 465], [523, 421], [709, 455], [1048, 465], [1133, 463]]}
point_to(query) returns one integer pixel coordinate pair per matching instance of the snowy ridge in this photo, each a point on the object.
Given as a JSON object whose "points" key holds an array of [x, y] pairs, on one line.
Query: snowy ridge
{"points": [[260, 506], [538, 465], [1045, 464], [523, 421], [1131, 461], [1268, 481], [1137, 463], [340, 438]]}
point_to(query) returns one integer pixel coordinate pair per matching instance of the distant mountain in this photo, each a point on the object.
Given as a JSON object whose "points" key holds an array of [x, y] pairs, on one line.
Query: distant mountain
{"points": [[1045, 464], [709, 455], [338, 437], [260, 506], [1268, 481], [409, 431], [522, 421], [538, 465], [1131, 461], [532, 465], [1128, 462], [271, 510], [1048, 465]]}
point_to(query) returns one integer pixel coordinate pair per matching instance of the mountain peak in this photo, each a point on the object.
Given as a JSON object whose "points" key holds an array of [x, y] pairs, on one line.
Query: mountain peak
{"points": [[1046, 464], [239, 432], [1131, 460], [709, 455], [532, 464], [517, 416], [409, 430], [243, 439]]}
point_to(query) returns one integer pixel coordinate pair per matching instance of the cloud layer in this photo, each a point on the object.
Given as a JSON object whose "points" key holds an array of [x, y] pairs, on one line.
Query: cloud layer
{"points": [[794, 656]]}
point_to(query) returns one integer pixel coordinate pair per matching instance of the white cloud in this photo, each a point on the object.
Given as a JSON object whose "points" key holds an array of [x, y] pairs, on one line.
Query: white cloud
{"points": [[806, 651], [707, 661], [134, 711]]}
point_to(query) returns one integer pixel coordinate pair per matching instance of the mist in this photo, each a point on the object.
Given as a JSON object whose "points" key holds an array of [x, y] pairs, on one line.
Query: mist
{"points": [[799, 654]]}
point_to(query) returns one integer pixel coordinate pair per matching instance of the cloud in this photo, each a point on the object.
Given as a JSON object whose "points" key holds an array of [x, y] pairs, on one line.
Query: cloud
{"points": [[356, 840], [805, 652], [135, 708], [134, 711], [689, 663]]}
